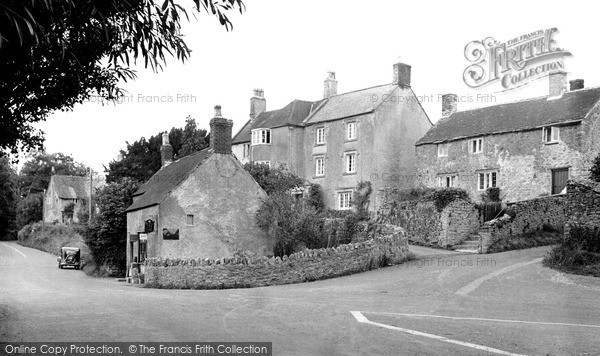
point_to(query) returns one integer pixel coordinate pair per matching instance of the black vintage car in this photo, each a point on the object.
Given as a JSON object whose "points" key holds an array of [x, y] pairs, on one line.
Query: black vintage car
{"points": [[69, 257]]}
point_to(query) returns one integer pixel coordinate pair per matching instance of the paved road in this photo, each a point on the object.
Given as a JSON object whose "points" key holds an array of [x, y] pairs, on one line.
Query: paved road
{"points": [[449, 304]]}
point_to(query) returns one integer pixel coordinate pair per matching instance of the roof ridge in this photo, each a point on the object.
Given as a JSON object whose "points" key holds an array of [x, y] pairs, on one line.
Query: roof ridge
{"points": [[526, 99], [357, 90]]}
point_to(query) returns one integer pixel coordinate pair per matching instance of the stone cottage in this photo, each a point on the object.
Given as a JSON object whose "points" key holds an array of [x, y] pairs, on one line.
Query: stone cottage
{"points": [[200, 206], [336, 142], [65, 190], [527, 148]]}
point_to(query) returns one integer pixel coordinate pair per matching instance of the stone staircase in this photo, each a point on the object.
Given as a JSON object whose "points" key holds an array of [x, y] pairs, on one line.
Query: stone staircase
{"points": [[473, 243]]}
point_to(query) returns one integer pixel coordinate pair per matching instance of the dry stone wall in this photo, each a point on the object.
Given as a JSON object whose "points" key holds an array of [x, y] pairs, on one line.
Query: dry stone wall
{"points": [[304, 266]]}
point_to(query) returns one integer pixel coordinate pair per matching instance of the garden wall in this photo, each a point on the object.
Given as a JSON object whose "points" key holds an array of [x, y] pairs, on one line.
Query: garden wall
{"points": [[583, 202], [305, 266], [426, 225], [527, 217]]}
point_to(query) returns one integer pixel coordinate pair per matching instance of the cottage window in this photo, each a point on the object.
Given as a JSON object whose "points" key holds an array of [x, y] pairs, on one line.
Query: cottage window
{"points": [[442, 149], [143, 251], [447, 181], [319, 166], [551, 134], [487, 180], [246, 150], [261, 137], [320, 136], [476, 145], [350, 162], [190, 220], [351, 130], [345, 200]]}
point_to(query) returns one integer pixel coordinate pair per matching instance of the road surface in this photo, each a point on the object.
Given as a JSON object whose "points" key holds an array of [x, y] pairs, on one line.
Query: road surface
{"points": [[449, 304]]}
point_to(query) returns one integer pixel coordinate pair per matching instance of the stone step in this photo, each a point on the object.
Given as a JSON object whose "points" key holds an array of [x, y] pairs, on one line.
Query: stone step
{"points": [[467, 250]]}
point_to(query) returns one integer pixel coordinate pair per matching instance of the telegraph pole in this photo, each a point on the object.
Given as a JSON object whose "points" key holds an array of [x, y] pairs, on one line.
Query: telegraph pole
{"points": [[91, 193]]}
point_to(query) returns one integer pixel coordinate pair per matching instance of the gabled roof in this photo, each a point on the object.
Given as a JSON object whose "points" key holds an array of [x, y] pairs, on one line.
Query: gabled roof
{"points": [[73, 187], [291, 115], [350, 104], [158, 187], [517, 116]]}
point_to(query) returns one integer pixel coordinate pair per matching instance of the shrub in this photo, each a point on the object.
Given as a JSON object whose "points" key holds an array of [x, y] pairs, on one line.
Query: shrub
{"points": [[579, 252], [443, 197], [273, 180], [595, 170], [361, 197], [30, 209], [492, 194], [315, 197]]}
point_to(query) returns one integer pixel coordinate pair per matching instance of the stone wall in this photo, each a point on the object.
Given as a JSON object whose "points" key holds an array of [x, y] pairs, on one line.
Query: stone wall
{"points": [[425, 224], [305, 266], [583, 200], [527, 216]]}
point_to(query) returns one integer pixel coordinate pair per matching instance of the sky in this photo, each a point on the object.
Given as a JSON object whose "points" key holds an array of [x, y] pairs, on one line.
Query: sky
{"points": [[287, 47]]}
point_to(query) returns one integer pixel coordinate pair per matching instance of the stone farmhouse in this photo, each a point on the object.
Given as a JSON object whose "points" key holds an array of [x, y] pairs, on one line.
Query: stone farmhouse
{"points": [[200, 206], [342, 139], [527, 148], [65, 190]]}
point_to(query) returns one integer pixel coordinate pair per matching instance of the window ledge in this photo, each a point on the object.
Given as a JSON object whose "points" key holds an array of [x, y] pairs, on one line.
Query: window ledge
{"points": [[551, 143], [317, 177], [320, 144], [350, 140], [349, 173]]}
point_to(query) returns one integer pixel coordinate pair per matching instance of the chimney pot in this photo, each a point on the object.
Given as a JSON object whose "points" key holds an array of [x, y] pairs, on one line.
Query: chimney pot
{"points": [[220, 133], [258, 104], [557, 84], [402, 74], [330, 85], [575, 84], [449, 104], [166, 150]]}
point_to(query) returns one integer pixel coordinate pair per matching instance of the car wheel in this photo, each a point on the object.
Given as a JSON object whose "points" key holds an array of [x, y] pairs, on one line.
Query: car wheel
{"points": [[59, 266]]}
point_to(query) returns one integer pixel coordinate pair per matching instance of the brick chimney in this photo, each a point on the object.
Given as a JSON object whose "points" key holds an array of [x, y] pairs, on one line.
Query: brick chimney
{"points": [[220, 133], [558, 84], [402, 74], [258, 104], [330, 85], [166, 151], [575, 84], [449, 104]]}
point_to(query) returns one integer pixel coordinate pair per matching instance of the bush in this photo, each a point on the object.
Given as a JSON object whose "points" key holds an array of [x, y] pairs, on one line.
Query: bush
{"points": [[361, 199], [30, 209], [315, 197], [273, 180], [595, 170], [578, 253]]}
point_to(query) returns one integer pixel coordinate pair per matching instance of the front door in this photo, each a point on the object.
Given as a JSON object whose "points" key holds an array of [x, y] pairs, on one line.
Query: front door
{"points": [[559, 180]]}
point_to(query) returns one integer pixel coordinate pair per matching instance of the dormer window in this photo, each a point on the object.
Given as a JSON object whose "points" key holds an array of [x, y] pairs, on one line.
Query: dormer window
{"points": [[550, 134], [261, 137], [476, 145]]}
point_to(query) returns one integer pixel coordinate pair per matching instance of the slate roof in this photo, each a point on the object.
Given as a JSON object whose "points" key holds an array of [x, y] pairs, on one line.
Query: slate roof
{"points": [[291, 115], [158, 187], [510, 117], [73, 187], [351, 104]]}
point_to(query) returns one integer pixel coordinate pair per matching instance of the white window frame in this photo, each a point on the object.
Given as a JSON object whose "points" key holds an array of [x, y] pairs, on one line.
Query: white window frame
{"points": [[320, 135], [261, 137], [246, 150], [344, 199], [350, 162], [320, 166], [268, 163], [488, 179], [476, 145], [554, 135], [447, 180], [442, 150], [351, 130]]}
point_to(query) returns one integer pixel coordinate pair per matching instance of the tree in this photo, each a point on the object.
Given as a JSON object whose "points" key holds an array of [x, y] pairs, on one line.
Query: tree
{"points": [[273, 180], [141, 159], [595, 170], [37, 170], [193, 139], [107, 234], [57, 53], [8, 198], [30, 209]]}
